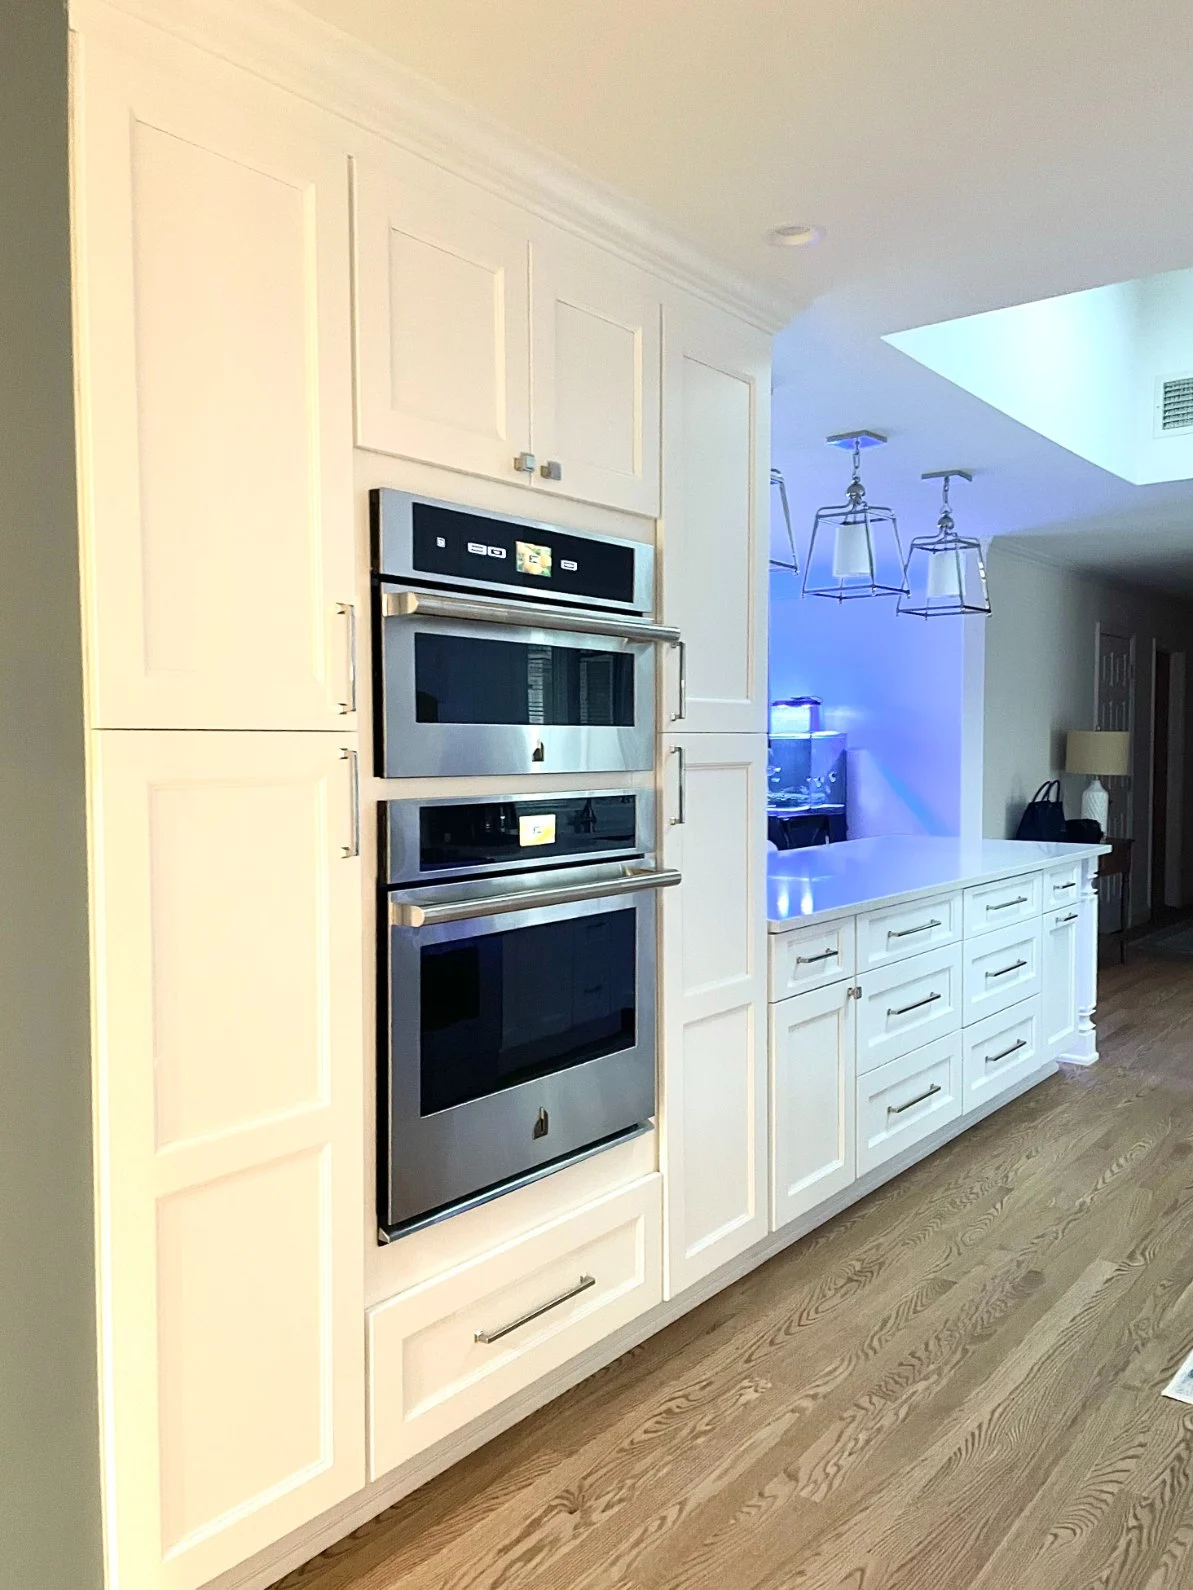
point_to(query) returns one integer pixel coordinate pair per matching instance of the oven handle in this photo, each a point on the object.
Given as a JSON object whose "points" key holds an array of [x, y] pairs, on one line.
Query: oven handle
{"points": [[404, 915], [423, 604]]}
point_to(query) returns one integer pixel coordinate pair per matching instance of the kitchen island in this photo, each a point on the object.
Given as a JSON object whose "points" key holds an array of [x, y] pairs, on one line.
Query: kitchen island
{"points": [[914, 986]]}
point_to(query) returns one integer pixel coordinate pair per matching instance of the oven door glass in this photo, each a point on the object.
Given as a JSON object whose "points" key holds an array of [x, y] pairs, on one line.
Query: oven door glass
{"points": [[463, 698]]}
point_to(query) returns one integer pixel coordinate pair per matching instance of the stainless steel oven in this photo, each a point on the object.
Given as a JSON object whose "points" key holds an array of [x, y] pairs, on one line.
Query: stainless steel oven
{"points": [[509, 646], [517, 991]]}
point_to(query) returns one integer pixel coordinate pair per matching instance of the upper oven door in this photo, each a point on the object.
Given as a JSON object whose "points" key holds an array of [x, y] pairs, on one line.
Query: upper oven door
{"points": [[460, 698]]}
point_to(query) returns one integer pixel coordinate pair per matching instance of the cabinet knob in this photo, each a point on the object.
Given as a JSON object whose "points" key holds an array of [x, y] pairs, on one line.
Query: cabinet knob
{"points": [[552, 470], [525, 463]]}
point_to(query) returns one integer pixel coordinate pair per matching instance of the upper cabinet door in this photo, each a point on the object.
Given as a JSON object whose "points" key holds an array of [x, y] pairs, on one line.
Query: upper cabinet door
{"points": [[716, 421], [212, 295], [595, 338], [442, 320]]}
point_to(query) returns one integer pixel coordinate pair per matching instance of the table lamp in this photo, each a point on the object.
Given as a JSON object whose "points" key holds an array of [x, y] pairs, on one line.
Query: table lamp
{"points": [[1101, 753]]}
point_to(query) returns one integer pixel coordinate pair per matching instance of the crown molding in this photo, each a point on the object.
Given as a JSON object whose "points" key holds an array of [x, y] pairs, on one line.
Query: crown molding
{"points": [[289, 47]]}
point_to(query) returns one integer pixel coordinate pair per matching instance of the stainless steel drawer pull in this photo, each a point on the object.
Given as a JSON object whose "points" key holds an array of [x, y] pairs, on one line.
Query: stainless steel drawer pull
{"points": [[432, 604], [1004, 905], [1072, 917], [681, 811], [903, 1010], [407, 914], [1060, 887], [810, 960], [352, 848], [1002, 972], [993, 1059], [897, 1109], [348, 610], [582, 1285], [904, 933]]}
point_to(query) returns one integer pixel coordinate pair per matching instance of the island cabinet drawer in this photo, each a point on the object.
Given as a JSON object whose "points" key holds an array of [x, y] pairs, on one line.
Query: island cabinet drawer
{"points": [[1001, 1051], [990, 906], [811, 957], [907, 1100], [896, 931], [1062, 886], [1001, 969], [905, 1005], [462, 1342]]}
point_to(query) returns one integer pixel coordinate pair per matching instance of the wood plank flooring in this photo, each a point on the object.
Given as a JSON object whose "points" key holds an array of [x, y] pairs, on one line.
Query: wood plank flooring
{"points": [[953, 1386]]}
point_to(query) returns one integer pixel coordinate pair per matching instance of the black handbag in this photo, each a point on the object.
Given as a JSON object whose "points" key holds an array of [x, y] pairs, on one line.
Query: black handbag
{"points": [[1083, 831], [1044, 817]]}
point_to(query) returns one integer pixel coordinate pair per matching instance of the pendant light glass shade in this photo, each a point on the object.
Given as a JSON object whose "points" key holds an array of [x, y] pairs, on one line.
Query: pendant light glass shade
{"points": [[778, 497], [855, 549], [945, 573]]}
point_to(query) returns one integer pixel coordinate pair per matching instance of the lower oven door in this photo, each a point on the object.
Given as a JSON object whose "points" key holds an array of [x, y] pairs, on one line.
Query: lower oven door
{"points": [[512, 1041], [460, 697]]}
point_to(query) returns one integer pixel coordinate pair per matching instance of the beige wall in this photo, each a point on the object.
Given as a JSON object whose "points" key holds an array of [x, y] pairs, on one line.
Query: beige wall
{"points": [[1040, 681], [49, 1453]]}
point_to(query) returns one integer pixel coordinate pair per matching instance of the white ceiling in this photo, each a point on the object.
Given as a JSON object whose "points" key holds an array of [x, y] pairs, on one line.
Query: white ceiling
{"points": [[961, 156]]}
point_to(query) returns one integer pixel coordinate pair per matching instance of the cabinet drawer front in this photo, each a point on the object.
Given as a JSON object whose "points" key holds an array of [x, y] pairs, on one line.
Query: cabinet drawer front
{"points": [[991, 906], [456, 1346], [907, 1100], [1062, 886], [907, 1004], [810, 958], [1001, 969], [1001, 1051], [899, 931]]}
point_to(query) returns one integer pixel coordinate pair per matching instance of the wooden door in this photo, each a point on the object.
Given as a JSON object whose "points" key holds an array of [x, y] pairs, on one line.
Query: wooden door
{"points": [[812, 1102], [442, 318], [595, 333], [1059, 962], [229, 1074], [716, 418], [714, 1093], [1116, 711], [212, 296]]}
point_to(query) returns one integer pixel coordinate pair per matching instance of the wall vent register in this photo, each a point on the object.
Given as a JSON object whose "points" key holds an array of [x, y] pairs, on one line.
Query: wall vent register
{"points": [[1174, 405]]}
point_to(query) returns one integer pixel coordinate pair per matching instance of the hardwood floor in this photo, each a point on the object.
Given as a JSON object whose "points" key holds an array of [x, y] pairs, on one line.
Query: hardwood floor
{"points": [[953, 1386]]}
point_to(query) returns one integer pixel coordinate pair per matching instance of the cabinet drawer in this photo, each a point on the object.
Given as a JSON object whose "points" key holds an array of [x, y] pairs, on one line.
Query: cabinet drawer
{"points": [[899, 931], [810, 957], [1001, 1051], [1062, 886], [907, 1100], [904, 1005], [990, 906], [1001, 969], [456, 1346]]}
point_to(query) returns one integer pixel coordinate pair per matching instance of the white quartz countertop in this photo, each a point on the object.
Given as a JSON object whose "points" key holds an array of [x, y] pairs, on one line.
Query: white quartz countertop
{"points": [[805, 886]]}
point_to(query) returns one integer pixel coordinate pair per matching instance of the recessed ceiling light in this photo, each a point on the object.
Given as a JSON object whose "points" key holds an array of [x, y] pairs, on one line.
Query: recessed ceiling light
{"points": [[795, 235]]}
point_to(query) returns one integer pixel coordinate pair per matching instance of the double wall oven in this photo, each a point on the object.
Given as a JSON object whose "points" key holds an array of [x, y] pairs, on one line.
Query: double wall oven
{"points": [[517, 933]]}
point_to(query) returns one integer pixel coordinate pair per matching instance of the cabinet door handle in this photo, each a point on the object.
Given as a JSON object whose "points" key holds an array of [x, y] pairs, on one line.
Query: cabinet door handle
{"points": [[682, 709], [1002, 972], [348, 610], [681, 814], [904, 933], [582, 1285], [810, 960], [1005, 905], [993, 1059], [897, 1109], [903, 1010], [1072, 917], [352, 848], [524, 463], [1058, 888], [552, 470]]}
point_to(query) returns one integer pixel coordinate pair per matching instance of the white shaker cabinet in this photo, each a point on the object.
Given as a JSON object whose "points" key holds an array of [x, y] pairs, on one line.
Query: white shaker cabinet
{"points": [[212, 294], [714, 1070], [228, 955], [1058, 974], [813, 1152], [715, 550], [496, 345]]}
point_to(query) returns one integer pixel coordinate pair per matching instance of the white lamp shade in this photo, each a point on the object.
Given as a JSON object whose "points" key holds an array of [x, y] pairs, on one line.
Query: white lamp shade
{"points": [[1100, 753]]}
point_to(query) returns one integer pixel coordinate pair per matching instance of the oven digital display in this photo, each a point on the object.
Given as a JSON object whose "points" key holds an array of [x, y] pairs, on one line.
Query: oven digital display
{"points": [[533, 559], [536, 828]]}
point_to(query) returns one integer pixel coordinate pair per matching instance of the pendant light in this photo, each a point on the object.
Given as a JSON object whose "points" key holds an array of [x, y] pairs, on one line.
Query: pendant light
{"points": [[945, 573], [855, 549], [779, 485]]}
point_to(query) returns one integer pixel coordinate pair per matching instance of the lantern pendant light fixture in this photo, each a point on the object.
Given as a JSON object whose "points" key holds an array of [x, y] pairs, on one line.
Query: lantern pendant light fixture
{"points": [[779, 485], [945, 572], [855, 549]]}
